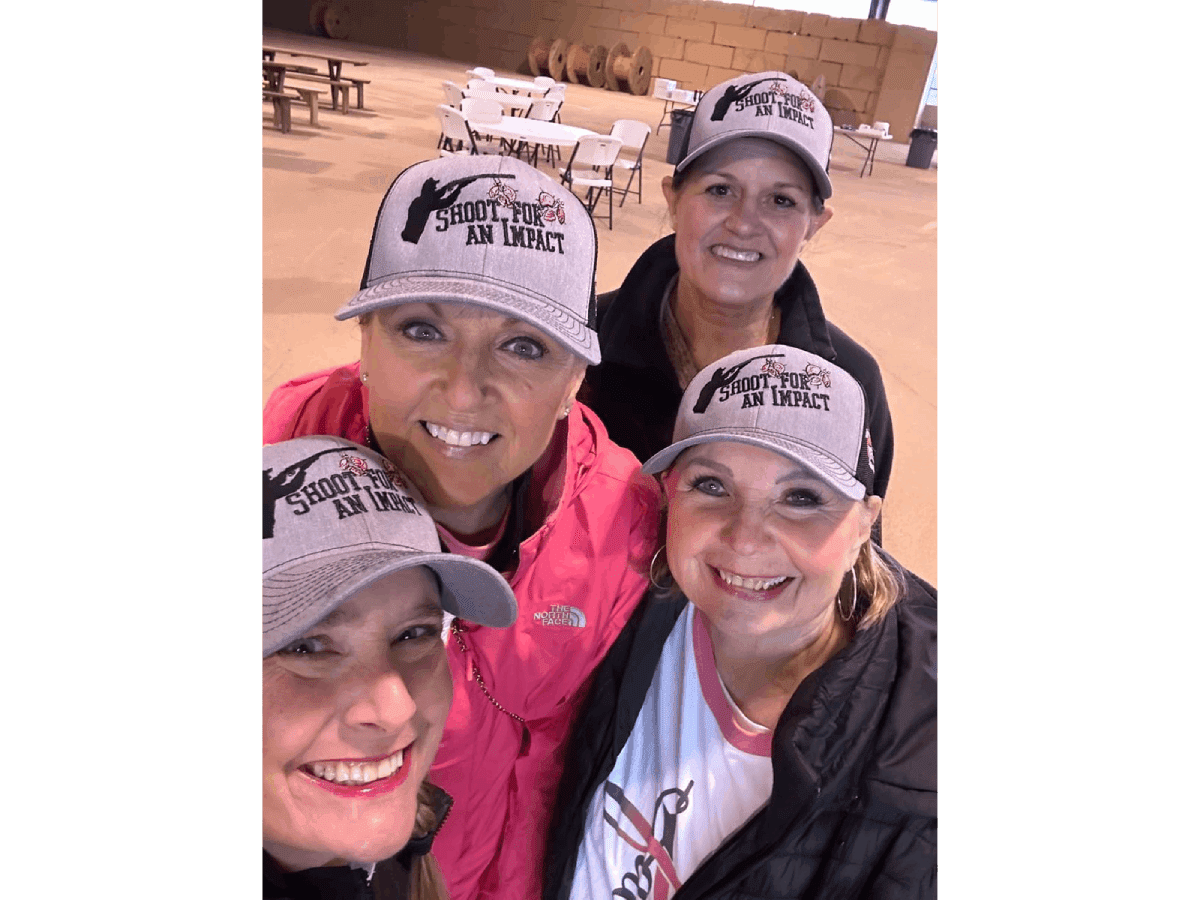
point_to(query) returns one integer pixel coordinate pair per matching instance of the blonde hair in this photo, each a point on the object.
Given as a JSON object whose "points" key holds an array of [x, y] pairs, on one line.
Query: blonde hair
{"points": [[873, 589], [427, 882]]}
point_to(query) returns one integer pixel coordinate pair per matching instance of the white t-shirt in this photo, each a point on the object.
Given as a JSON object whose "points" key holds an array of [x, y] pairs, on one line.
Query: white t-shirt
{"points": [[692, 772]]}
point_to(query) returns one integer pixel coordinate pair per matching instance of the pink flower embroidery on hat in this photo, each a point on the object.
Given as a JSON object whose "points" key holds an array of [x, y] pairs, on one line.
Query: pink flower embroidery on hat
{"points": [[812, 370], [771, 367], [551, 208], [502, 193], [394, 474], [803, 99], [354, 464]]}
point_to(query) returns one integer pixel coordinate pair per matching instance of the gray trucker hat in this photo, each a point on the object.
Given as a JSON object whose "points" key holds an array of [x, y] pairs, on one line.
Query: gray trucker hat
{"points": [[770, 105], [336, 518], [490, 231], [782, 399]]}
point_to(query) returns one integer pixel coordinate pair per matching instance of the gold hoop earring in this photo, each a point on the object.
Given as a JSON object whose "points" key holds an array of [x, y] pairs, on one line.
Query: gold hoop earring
{"points": [[848, 614]]}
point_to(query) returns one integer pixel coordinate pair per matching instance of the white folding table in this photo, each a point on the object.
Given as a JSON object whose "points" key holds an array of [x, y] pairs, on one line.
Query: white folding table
{"points": [[871, 136], [530, 131]]}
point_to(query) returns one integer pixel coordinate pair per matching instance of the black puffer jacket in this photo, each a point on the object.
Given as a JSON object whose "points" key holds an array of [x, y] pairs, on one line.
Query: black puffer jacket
{"points": [[636, 393], [853, 809], [389, 881]]}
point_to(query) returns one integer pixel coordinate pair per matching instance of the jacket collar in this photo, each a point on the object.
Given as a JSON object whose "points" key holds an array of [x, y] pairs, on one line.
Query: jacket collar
{"points": [[832, 719], [629, 330], [352, 882]]}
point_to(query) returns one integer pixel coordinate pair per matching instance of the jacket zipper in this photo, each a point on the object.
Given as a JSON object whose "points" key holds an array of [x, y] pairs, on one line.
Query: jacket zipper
{"points": [[456, 629]]}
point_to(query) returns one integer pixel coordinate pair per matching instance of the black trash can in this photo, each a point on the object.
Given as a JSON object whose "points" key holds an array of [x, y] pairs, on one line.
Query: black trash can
{"points": [[681, 127], [922, 143]]}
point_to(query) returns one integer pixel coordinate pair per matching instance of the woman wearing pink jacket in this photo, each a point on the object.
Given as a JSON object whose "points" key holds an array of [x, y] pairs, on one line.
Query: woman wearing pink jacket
{"points": [[477, 309]]}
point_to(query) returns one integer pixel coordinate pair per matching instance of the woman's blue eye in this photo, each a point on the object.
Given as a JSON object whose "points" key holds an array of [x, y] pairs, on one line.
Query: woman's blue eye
{"points": [[784, 201], [420, 331], [804, 498], [706, 484], [526, 348], [419, 633], [306, 646], [718, 190]]}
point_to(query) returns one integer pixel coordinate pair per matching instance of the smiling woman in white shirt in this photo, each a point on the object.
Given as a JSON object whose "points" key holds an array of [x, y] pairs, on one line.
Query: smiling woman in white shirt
{"points": [[765, 725]]}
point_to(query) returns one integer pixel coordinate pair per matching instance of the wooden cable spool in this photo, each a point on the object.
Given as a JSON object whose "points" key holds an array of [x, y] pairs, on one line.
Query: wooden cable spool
{"points": [[337, 21], [623, 72], [316, 16], [585, 65], [557, 63], [538, 57]]}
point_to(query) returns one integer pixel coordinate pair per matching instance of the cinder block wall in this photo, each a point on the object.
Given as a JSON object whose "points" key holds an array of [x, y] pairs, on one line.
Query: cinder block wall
{"points": [[874, 70]]}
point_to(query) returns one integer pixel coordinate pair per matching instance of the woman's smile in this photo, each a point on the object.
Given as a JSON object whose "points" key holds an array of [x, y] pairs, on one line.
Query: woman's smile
{"points": [[725, 252], [459, 439], [357, 771], [359, 777], [752, 587]]}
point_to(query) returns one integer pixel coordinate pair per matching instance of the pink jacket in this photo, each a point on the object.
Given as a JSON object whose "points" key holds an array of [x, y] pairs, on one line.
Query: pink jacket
{"points": [[582, 570]]}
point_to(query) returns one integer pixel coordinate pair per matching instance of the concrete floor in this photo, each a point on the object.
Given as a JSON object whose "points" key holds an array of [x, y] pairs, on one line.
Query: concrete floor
{"points": [[875, 263]]}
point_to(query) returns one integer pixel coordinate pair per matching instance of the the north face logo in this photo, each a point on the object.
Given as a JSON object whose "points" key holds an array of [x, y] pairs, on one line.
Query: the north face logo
{"points": [[562, 615]]}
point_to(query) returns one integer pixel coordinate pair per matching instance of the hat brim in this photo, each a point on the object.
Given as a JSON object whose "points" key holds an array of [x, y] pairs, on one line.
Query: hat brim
{"points": [[298, 596], [821, 182], [558, 324], [821, 464]]}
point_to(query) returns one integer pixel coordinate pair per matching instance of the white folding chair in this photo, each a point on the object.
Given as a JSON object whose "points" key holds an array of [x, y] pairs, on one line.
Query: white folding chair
{"points": [[633, 135], [591, 166], [455, 128], [543, 109], [453, 93], [557, 93], [482, 84], [479, 111], [544, 81], [481, 72]]}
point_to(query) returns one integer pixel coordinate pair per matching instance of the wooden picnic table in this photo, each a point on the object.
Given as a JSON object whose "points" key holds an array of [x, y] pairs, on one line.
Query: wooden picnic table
{"points": [[334, 62], [295, 67], [274, 75]]}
